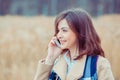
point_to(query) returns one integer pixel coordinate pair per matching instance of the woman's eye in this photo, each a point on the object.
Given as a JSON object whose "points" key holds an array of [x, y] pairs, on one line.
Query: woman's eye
{"points": [[64, 30]]}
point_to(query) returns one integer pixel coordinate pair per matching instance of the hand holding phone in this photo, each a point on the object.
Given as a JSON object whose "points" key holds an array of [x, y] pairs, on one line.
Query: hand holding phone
{"points": [[54, 50], [57, 43]]}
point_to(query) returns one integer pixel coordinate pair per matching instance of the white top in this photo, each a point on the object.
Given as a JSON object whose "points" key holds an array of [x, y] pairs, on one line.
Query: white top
{"points": [[69, 63]]}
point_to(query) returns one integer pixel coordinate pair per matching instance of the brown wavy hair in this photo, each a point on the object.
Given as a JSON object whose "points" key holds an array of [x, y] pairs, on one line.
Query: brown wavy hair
{"points": [[80, 22]]}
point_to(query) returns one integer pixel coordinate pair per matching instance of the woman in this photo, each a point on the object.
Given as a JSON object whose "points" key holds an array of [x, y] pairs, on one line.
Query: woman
{"points": [[79, 56]]}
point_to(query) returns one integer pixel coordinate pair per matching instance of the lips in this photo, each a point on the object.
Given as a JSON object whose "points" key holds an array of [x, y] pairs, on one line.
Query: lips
{"points": [[62, 41]]}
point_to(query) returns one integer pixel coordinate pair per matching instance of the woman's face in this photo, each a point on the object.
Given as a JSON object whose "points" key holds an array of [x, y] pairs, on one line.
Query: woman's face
{"points": [[66, 36]]}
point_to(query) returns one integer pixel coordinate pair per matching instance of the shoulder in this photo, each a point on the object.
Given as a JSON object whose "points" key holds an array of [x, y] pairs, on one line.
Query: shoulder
{"points": [[103, 62], [59, 59], [104, 69]]}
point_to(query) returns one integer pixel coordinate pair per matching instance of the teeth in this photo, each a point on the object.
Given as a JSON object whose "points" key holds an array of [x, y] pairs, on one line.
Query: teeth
{"points": [[62, 41]]}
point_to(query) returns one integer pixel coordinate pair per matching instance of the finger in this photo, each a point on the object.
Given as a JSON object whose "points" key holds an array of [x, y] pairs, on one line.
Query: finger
{"points": [[51, 43], [54, 38]]}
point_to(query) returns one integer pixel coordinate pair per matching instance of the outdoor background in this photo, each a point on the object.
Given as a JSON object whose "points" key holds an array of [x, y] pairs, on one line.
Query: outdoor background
{"points": [[26, 27]]}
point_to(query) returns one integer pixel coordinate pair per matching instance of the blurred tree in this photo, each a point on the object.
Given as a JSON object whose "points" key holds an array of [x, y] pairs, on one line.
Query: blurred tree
{"points": [[43, 6], [4, 6], [62, 5], [53, 7], [93, 7], [109, 6], [116, 6]]}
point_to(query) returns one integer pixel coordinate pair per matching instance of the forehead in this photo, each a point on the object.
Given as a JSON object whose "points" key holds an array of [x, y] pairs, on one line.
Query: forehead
{"points": [[63, 24]]}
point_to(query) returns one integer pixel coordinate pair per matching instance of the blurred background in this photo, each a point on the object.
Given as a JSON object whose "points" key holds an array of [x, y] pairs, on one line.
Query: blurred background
{"points": [[53, 7], [26, 27]]}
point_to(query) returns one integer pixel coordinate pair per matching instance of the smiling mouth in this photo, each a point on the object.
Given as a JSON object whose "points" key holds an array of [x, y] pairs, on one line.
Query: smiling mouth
{"points": [[62, 41]]}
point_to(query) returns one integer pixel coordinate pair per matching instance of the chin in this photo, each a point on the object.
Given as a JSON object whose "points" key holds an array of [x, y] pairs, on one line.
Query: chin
{"points": [[64, 47]]}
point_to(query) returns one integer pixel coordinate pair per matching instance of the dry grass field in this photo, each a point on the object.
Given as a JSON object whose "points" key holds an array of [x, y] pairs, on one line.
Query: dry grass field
{"points": [[23, 41]]}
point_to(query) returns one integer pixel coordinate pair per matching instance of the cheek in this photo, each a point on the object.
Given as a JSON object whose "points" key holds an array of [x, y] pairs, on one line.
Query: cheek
{"points": [[72, 40]]}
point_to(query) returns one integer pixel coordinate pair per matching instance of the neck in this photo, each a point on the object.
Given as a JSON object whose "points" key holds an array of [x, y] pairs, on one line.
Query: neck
{"points": [[73, 52]]}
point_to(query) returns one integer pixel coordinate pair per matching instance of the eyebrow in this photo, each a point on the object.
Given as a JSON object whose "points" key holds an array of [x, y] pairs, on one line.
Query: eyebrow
{"points": [[64, 28]]}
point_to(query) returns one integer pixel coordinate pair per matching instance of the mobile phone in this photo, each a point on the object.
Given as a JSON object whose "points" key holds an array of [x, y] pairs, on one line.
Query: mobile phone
{"points": [[57, 42]]}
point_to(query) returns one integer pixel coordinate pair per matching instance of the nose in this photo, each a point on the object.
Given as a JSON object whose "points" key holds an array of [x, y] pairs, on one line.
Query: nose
{"points": [[59, 35]]}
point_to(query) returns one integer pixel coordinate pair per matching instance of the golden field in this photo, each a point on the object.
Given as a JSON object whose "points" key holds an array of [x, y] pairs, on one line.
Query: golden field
{"points": [[23, 41]]}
